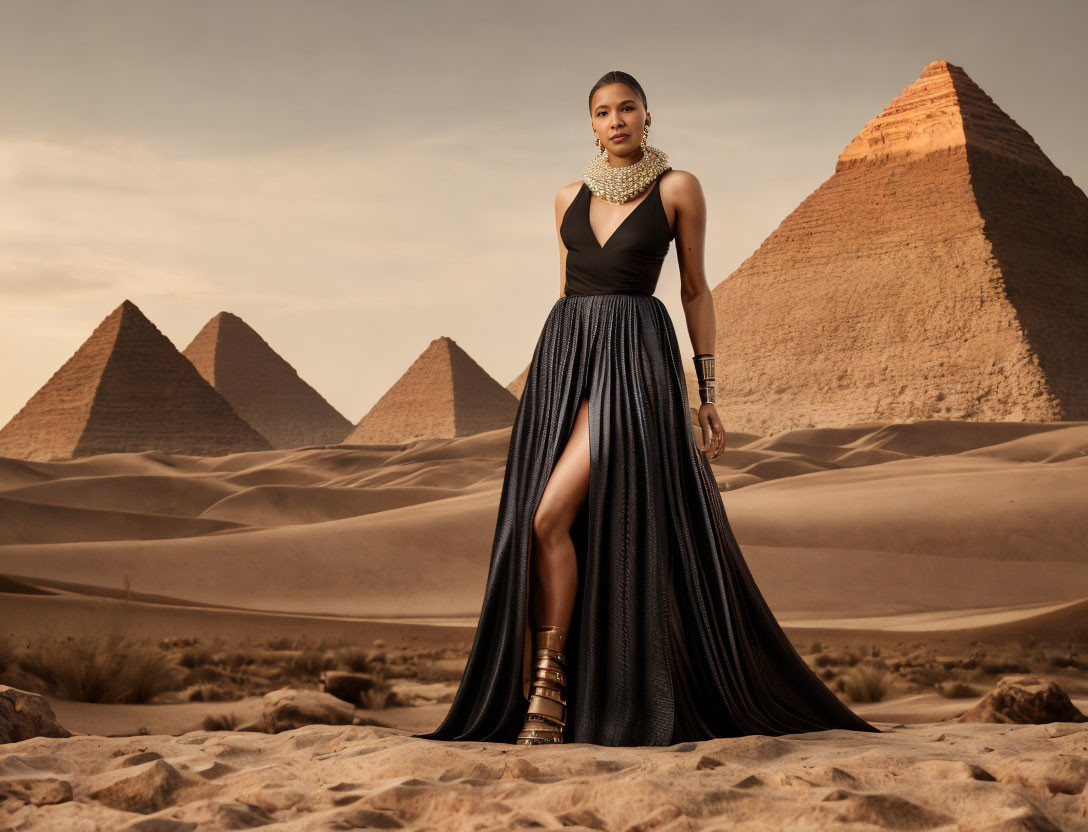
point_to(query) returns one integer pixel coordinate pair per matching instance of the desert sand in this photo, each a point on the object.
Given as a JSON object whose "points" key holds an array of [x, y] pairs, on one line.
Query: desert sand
{"points": [[834, 523], [954, 776], [951, 550]]}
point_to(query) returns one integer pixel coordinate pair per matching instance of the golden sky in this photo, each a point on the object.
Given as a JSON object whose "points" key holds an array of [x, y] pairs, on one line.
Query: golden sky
{"points": [[357, 178]]}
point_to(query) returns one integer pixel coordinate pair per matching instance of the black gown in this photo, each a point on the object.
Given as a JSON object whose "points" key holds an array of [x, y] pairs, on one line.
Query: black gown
{"points": [[670, 640]]}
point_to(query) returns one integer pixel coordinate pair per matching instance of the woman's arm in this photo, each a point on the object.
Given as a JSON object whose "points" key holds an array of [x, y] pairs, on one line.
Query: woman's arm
{"points": [[683, 191]]}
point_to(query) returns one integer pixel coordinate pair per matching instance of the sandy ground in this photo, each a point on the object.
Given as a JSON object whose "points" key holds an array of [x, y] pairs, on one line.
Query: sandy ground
{"points": [[128, 720], [891, 540], [922, 622], [954, 776]]}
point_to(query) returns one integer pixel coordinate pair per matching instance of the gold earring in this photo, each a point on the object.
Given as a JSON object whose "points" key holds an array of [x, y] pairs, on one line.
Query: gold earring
{"points": [[600, 148], [645, 135]]}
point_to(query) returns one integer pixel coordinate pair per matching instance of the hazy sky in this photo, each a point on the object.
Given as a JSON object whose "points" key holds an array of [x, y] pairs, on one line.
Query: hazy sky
{"points": [[355, 179]]}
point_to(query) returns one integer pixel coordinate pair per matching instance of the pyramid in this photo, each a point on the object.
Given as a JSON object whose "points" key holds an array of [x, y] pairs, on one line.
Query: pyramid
{"points": [[127, 388], [517, 386], [940, 272], [262, 388], [444, 394]]}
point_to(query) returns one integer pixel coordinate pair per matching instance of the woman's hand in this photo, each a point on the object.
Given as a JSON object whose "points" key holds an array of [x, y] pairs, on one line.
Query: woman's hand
{"points": [[713, 431]]}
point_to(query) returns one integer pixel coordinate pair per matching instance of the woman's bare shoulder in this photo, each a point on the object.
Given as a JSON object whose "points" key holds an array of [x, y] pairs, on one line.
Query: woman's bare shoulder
{"points": [[680, 182], [565, 197], [567, 193]]}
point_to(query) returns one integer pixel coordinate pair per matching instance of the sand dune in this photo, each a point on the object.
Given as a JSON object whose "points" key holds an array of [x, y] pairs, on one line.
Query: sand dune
{"points": [[964, 507], [492, 444], [1008, 630], [421, 559], [814, 582], [1065, 624], [1068, 446], [868, 520], [943, 620], [934, 437], [185, 496], [17, 472], [825, 441], [22, 521], [290, 505], [37, 616]]}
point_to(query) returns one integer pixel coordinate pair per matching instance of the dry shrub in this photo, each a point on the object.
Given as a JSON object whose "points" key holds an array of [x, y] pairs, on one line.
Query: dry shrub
{"points": [[220, 722], [1062, 658], [866, 683], [310, 662], [238, 659], [205, 674], [214, 693], [929, 676], [377, 697], [1004, 666], [956, 689], [101, 668], [195, 656], [355, 659], [849, 659], [283, 643]]}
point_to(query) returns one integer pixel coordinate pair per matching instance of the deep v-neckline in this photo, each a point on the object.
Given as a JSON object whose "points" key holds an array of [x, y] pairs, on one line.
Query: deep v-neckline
{"points": [[631, 213]]}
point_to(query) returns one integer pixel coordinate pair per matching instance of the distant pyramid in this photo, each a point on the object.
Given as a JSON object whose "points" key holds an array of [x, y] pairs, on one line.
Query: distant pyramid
{"points": [[442, 395], [941, 272], [263, 388], [518, 384], [127, 388]]}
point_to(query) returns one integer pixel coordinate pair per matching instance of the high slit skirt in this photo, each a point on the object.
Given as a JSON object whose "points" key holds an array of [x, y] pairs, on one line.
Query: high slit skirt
{"points": [[670, 639]]}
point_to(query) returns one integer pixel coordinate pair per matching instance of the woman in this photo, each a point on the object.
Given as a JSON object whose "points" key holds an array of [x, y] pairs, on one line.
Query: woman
{"points": [[618, 609]]}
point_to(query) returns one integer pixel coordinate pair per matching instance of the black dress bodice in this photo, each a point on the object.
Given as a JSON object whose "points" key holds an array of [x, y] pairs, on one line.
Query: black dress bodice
{"points": [[629, 261]]}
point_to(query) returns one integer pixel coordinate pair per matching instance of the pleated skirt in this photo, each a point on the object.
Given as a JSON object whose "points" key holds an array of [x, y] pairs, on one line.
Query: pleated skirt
{"points": [[671, 639]]}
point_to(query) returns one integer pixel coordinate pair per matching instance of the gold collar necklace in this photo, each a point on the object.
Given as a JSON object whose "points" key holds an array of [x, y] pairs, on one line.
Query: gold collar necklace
{"points": [[619, 184]]}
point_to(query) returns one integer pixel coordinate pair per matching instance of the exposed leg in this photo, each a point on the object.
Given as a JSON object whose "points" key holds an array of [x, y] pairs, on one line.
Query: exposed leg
{"points": [[553, 567], [553, 562]]}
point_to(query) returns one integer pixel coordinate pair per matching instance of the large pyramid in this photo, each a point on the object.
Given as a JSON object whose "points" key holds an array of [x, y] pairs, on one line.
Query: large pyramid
{"points": [[941, 272], [127, 388], [443, 394], [262, 388]]}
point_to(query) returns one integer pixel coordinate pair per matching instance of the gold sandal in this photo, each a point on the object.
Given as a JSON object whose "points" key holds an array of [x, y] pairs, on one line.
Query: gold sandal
{"points": [[547, 712]]}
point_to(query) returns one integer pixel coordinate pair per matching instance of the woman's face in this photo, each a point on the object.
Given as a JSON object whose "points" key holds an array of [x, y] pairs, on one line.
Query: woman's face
{"points": [[618, 117]]}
